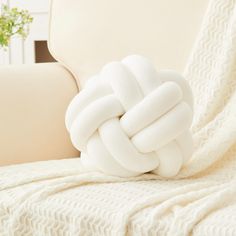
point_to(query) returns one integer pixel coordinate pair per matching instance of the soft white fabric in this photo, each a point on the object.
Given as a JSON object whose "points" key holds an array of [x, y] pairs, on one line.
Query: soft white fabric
{"points": [[57, 198], [131, 119]]}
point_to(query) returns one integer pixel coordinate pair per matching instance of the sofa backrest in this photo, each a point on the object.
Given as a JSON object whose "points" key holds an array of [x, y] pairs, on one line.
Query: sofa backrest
{"points": [[86, 34]]}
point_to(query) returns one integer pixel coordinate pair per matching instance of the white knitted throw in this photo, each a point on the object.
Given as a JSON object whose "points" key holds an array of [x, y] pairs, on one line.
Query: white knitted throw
{"points": [[58, 198]]}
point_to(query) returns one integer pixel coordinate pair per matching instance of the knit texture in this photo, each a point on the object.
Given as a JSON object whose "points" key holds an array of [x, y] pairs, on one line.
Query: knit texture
{"points": [[59, 198]]}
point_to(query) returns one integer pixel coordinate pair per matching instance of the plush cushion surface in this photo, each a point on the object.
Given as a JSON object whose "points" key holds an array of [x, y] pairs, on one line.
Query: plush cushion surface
{"points": [[130, 119]]}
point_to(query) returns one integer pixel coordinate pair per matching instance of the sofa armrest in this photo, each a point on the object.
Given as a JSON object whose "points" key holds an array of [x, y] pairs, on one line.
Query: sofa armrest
{"points": [[33, 101]]}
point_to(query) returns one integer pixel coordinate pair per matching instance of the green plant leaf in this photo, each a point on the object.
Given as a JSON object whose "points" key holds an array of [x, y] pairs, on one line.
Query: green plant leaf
{"points": [[13, 22]]}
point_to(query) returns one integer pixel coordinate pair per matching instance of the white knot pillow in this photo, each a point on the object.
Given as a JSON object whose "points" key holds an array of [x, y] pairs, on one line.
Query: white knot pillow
{"points": [[131, 119]]}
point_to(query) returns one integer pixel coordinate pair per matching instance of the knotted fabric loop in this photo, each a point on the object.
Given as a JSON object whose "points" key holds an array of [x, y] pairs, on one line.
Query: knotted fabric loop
{"points": [[131, 119]]}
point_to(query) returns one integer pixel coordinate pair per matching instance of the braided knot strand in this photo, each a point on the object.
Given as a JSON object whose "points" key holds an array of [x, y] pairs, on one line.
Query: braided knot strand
{"points": [[131, 119]]}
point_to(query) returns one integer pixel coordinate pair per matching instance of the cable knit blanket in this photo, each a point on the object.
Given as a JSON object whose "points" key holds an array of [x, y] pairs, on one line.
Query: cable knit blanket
{"points": [[61, 198]]}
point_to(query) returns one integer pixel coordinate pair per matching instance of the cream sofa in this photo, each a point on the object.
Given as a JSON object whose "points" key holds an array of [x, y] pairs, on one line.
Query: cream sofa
{"points": [[84, 36], [43, 198]]}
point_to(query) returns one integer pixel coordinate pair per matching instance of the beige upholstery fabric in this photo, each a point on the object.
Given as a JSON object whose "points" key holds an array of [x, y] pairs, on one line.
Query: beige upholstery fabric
{"points": [[86, 34], [33, 100]]}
